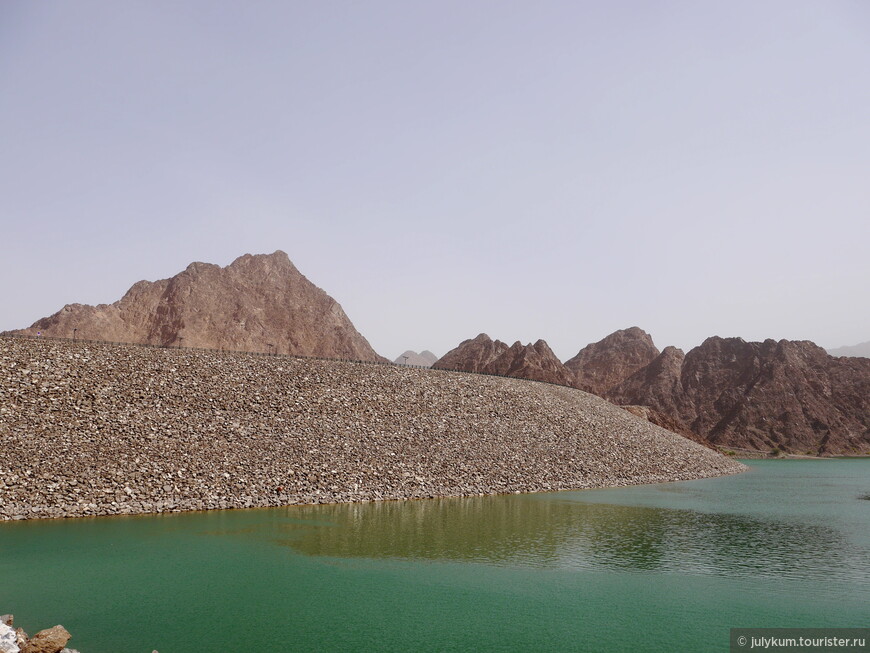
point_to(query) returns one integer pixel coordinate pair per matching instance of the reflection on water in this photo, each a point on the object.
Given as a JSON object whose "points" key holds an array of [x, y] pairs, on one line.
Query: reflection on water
{"points": [[548, 531], [652, 568]]}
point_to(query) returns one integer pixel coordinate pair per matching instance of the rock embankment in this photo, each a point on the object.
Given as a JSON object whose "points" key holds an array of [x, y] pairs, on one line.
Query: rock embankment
{"points": [[95, 429]]}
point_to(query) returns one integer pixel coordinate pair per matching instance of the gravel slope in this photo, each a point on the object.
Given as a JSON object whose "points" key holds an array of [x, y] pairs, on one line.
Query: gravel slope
{"points": [[98, 429]]}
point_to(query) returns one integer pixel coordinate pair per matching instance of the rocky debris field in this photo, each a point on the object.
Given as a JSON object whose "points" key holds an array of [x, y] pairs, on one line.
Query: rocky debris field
{"points": [[98, 429]]}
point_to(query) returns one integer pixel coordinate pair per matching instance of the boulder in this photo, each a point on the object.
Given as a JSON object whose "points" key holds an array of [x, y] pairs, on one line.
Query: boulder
{"points": [[50, 640]]}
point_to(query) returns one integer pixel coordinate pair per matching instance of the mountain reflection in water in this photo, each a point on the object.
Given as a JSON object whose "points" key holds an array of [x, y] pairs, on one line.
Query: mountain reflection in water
{"points": [[545, 531]]}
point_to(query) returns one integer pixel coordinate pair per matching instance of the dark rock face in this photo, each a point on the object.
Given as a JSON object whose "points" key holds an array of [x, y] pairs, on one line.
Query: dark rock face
{"points": [[604, 364], [536, 362], [476, 355], [788, 395], [658, 386], [482, 354], [257, 303]]}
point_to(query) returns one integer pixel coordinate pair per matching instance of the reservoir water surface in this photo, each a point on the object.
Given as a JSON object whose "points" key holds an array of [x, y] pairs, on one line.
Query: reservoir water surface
{"points": [[668, 567]]}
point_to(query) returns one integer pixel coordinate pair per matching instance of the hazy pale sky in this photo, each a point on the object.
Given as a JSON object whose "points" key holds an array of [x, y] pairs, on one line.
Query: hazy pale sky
{"points": [[553, 170]]}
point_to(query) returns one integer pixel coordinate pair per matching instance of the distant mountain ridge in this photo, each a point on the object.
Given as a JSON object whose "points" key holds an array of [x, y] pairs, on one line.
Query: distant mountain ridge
{"points": [[424, 359], [861, 350], [257, 303]]}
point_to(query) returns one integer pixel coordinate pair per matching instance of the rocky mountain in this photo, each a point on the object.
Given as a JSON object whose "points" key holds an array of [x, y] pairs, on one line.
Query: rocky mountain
{"points": [[658, 386], [476, 355], [862, 350], [257, 303], [787, 395], [424, 359], [482, 354], [604, 364]]}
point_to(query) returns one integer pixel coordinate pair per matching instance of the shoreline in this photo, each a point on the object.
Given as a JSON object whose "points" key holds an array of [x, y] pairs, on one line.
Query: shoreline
{"points": [[754, 454], [180, 507], [98, 429]]}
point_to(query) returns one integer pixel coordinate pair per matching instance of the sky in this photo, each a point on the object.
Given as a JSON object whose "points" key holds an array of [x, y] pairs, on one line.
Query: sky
{"points": [[554, 170]]}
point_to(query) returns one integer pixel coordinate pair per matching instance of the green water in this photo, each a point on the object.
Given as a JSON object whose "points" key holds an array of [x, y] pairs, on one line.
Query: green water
{"points": [[653, 568]]}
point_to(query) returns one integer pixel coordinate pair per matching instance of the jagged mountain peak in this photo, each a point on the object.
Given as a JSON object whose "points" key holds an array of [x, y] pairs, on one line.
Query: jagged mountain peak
{"points": [[531, 361], [602, 365]]}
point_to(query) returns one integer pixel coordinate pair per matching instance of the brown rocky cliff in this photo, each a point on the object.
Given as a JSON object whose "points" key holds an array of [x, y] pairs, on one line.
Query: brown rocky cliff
{"points": [[604, 364], [536, 362], [788, 395], [257, 303], [474, 355], [727, 392], [658, 386]]}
